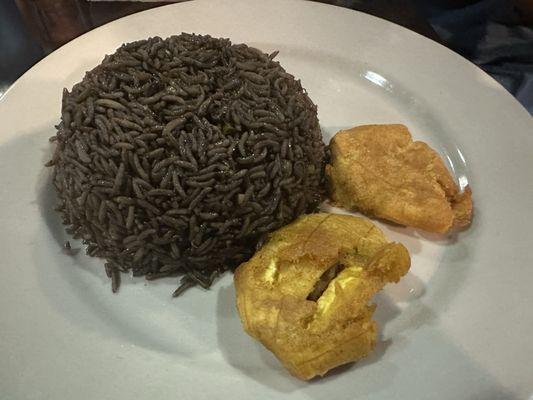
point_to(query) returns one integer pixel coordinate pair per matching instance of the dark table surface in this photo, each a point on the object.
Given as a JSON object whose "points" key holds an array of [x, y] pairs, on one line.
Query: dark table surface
{"points": [[497, 35]]}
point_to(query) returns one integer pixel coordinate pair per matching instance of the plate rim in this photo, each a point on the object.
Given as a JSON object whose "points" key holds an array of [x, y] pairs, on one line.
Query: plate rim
{"points": [[318, 4]]}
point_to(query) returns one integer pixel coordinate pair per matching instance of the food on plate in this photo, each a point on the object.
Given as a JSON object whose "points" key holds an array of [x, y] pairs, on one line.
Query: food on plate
{"points": [[175, 156], [380, 171], [305, 294]]}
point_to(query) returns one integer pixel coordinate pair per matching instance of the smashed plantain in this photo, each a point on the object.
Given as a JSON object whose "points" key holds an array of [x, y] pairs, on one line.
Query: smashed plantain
{"points": [[380, 171], [305, 294]]}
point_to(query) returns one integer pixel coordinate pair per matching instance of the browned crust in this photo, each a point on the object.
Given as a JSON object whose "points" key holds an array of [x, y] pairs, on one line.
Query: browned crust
{"points": [[380, 171], [307, 337]]}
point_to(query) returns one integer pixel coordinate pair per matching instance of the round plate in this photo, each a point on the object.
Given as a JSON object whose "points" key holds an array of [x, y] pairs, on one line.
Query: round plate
{"points": [[457, 326]]}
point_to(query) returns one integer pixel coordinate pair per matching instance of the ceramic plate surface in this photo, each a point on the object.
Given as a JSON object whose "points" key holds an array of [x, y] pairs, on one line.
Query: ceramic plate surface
{"points": [[457, 327]]}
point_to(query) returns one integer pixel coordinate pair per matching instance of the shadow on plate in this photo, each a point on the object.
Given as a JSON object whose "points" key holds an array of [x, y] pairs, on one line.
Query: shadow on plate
{"points": [[47, 202], [78, 288], [255, 361]]}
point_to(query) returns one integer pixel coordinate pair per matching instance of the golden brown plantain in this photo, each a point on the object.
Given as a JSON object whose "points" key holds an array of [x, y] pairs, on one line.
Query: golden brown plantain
{"points": [[380, 171], [305, 293]]}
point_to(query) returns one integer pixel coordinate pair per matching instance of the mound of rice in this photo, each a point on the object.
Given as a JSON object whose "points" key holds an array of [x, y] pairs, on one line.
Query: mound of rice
{"points": [[176, 156]]}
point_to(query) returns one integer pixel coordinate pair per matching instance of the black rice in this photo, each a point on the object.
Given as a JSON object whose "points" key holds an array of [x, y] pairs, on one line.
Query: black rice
{"points": [[176, 156]]}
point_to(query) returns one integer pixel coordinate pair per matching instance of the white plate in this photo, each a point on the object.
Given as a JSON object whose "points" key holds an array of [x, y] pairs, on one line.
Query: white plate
{"points": [[458, 327]]}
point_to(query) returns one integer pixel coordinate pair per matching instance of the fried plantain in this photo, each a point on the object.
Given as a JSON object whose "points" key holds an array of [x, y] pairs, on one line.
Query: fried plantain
{"points": [[380, 171], [305, 294]]}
